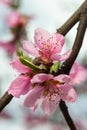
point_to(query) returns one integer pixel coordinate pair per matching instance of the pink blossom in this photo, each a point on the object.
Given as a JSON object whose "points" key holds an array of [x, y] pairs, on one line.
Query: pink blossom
{"points": [[13, 19], [78, 73], [6, 2], [20, 85], [47, 46], [9, 47], [51, 90]]}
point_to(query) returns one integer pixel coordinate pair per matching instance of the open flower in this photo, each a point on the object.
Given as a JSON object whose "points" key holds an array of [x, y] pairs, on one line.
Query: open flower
{"points": [[51, 90], [46, 87], [47, 46], [20, 85]]}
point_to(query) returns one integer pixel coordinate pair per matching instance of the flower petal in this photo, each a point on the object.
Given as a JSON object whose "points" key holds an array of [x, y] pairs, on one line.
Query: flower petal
{"points": [[55, 42], [39, 78], [63, 78], [19, 86], [33, 96], [30, 48], [60, 39], [71, 97], [78, 74], [9, 47], [49, 107], [67, 93], [65, 56], [55, 57], [41, 36], [16, 64]]}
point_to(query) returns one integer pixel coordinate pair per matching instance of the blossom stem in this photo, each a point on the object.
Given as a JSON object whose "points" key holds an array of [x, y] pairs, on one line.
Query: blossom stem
{"points": [[5, 99]]}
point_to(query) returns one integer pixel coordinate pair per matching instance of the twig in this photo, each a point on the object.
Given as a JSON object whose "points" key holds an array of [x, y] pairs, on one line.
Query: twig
{"points": [[72, 20], [64, 110], [77, 44], [5, 99], [69, 62]]}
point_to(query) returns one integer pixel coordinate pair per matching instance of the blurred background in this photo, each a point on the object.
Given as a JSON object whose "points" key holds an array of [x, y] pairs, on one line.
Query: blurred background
{"points": [[50, 15]]}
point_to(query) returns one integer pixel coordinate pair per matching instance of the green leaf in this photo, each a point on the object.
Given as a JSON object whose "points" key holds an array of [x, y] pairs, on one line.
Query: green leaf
{"points": [[19, 53], [28, 63], [55, 67]]}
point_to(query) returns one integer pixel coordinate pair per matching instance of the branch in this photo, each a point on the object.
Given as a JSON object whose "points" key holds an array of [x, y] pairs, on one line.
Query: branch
{"points": [[65, 69], [5, 99], [64, 29], [77, 44], [66, 115]]}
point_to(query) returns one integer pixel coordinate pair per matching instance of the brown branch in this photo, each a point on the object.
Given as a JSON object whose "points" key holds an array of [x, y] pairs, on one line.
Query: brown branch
{"points": [[64, 29], [77, 44], [5, 99], [65, 69], [66, 115]]}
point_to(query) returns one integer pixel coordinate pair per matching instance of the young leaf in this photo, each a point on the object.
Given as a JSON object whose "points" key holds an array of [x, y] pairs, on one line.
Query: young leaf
{"points": [[55, 67], [28, 63]]}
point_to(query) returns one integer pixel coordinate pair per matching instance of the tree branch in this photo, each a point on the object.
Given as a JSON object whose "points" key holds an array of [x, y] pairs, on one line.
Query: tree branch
{"points": [[77, 44], [65, 69], [5, 99], [64, 110], [64, 29]]}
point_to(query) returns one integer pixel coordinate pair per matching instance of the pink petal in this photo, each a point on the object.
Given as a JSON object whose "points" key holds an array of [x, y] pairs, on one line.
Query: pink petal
{"points": [[63, 78], [33, 96], [19, 86], [16, 64], [78, 73], [9, 47], [55, 57], [71, 97], [39, 78], [30, 48], [41, 36], [56, 42], [65, 56], [49, 107], [67, 93], [60, 39]]}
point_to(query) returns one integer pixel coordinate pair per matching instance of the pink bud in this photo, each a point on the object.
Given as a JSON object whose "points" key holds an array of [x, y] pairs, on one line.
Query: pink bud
{"points": [[13, 19]]}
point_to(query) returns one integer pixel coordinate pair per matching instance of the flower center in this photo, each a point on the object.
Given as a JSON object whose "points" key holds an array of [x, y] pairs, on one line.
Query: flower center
{"points": [[51, 89]]}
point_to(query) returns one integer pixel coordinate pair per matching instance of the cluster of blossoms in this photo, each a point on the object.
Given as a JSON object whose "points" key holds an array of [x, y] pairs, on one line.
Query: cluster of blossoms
{"points": [[16, 22], [42, 84]]}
